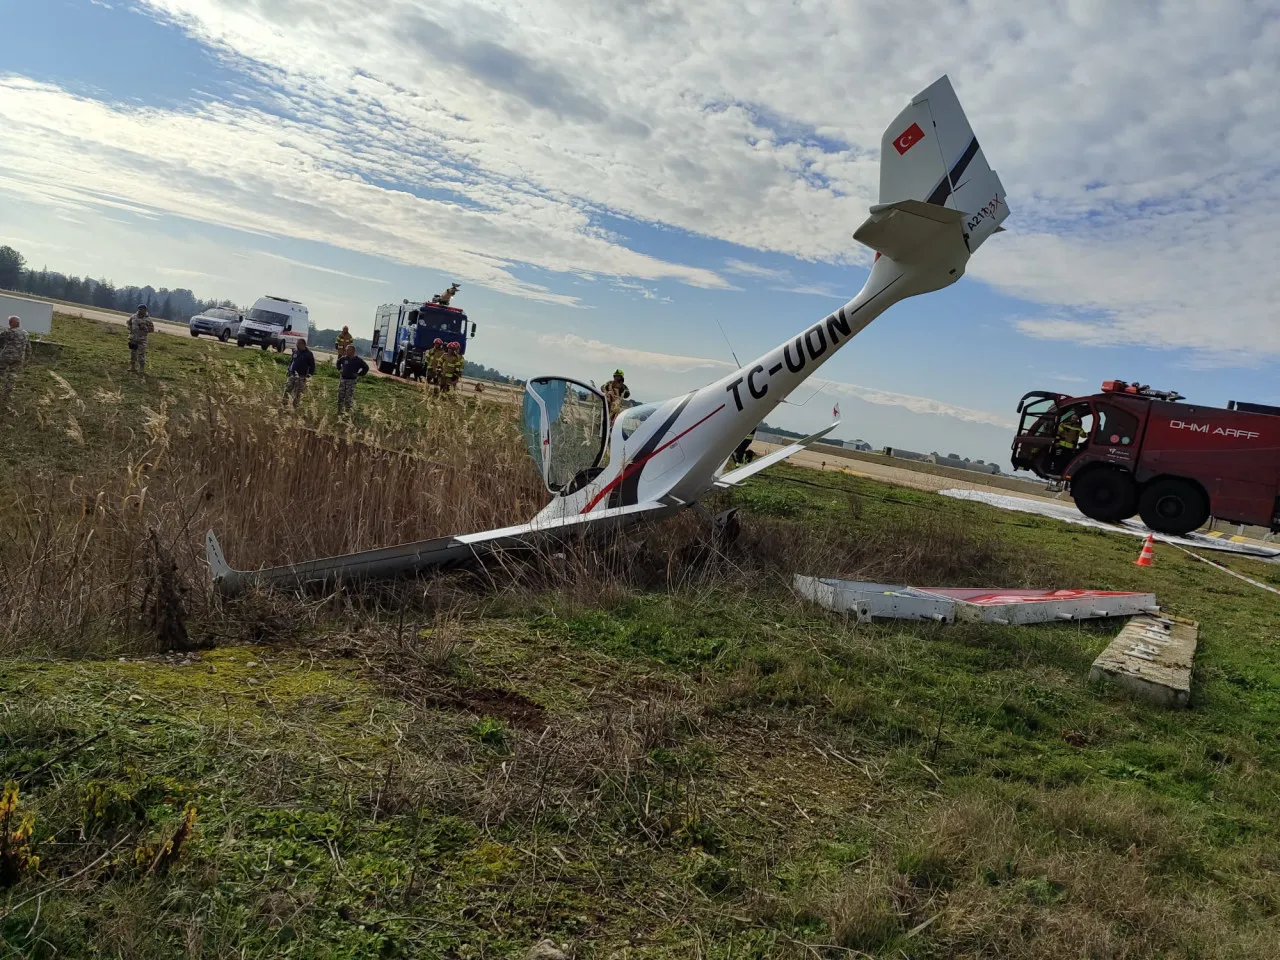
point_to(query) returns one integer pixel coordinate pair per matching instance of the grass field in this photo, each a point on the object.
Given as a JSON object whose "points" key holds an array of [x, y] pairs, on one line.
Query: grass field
{"points": [[649, 750]]}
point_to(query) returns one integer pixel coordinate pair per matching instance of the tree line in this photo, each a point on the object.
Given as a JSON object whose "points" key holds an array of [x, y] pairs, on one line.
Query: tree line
{"points": [[178, 305]]}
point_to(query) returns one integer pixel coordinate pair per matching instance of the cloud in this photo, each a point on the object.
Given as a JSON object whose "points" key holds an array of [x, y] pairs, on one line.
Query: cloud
{"points": [[608, 354], [744, 269], [280, 177], [784, 280], [311, 266], [922, 405], [599, 352], [1137, 142]]}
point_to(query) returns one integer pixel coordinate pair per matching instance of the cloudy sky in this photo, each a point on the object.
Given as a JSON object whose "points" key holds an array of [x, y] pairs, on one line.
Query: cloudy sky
{"points": [[661, 185]]}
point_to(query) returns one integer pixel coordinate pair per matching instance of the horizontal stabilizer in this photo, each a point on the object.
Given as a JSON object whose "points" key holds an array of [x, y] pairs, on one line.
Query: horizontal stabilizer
{"points": [[735, 477], [907, 229]]}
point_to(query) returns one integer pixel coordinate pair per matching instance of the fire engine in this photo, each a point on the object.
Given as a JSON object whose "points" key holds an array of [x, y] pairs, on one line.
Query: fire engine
{"points": [[403, 333], [1142, 451]]}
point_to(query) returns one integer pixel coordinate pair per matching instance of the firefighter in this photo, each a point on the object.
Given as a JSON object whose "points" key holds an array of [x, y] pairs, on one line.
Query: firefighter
{"points": [[1070, 433], [342, 341], [443, 299], [617, 393], [454, 364], [435, 363]]}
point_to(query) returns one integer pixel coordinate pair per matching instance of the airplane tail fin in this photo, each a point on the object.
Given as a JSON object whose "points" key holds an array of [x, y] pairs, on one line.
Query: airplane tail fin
{"points": [[929, 153]]}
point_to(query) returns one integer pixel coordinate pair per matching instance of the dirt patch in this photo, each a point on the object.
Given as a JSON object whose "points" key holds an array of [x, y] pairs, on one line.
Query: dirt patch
{"points": [[515, 708]]}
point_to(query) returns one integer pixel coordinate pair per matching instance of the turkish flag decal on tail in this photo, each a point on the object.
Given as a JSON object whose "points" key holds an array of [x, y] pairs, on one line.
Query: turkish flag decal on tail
{"points": [[908, 138]]}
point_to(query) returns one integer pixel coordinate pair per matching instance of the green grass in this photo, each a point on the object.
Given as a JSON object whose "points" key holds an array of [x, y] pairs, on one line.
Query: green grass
{"points": [[715, 771]]}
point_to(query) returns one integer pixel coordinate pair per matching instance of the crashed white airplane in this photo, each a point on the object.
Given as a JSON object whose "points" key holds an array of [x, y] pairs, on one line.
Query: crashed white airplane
{"points": [[939, 200]]}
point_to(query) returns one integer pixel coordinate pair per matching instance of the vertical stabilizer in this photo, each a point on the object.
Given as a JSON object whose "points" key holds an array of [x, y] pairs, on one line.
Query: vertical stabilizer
{"points": [[929, 153]]}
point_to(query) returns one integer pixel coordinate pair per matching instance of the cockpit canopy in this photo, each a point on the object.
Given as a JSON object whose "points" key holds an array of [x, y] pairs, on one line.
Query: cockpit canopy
{"points": [[566, 427], [629, 421]]}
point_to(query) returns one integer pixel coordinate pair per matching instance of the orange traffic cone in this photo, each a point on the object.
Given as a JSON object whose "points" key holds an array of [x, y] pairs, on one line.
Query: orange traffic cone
{"points": [[1148, 552]]}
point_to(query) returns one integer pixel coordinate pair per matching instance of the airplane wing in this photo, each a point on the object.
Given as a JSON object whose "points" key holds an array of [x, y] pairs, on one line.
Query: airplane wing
{"points": [[423, 554], [735, 477]]}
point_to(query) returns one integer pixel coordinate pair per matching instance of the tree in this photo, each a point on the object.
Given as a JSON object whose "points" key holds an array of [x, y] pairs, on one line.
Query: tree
{"points": [[166, 312], [12, 263], [104, 294]]}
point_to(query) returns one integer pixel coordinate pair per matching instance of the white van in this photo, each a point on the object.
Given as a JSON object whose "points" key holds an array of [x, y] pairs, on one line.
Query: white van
{"points": [[220, 322], [274, 322]]}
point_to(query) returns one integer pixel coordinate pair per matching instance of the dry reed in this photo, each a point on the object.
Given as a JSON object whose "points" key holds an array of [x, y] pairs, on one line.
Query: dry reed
{"points": [[112, 558]]}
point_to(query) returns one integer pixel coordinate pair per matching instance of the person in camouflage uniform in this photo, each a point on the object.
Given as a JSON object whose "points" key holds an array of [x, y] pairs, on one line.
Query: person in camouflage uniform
{"points": [[140, 327], [350, 367], [302, 366], [13, 354]]}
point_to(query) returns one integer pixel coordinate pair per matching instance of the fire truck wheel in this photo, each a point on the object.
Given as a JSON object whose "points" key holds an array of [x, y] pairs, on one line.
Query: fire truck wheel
{"points": [[1106, 495], [1173, 506]]}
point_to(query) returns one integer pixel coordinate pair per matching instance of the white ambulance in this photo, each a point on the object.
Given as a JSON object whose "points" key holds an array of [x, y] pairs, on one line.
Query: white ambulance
{"points": [[274, 322]]}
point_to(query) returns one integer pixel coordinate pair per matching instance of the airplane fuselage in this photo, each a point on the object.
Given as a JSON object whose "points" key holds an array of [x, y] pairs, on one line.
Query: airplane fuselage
{"points": [[679, 451]]}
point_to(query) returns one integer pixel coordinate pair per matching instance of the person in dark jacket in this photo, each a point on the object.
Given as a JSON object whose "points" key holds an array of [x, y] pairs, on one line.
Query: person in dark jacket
{"points": [[301, 369], [350, 367]]}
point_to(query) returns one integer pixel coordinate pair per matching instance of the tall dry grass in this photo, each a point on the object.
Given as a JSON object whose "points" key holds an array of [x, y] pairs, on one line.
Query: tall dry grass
{"points": [[113, 555], [84, 557]]}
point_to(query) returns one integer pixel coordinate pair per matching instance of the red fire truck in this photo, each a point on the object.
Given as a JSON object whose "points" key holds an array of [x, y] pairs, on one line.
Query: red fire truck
{"points": [[1134, 450]]}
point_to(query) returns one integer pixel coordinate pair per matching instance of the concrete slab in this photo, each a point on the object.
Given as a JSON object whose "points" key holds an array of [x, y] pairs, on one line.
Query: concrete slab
{"points": [[1152, 657]]}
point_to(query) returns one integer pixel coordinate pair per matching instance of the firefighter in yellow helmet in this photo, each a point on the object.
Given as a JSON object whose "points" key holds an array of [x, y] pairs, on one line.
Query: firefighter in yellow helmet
{"points": [[617, 393], [342, 341], [435, 363], [1069, 436], [454, 364]]}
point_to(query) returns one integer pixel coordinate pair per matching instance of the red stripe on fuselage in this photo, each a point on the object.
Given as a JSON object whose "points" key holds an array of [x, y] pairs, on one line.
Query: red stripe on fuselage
{"points": [[631, 468]]}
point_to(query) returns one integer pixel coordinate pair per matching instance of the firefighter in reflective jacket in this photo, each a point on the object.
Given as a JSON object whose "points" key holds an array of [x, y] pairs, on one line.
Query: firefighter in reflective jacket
{"points": [[1070, 433], [342, 341], [454, 364], [435, 361]]}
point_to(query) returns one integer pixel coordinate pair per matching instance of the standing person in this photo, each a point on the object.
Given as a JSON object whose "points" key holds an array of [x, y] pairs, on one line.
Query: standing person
{"points": [[13, 354], [617, 393], [1067, 440], [350, 367], [435, 363], [301, 368], [343, 340], [140, 327], [454, 364]]}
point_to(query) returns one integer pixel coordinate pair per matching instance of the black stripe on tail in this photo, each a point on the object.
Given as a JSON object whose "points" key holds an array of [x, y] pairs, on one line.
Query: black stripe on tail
{"points": [[942, 192]]}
